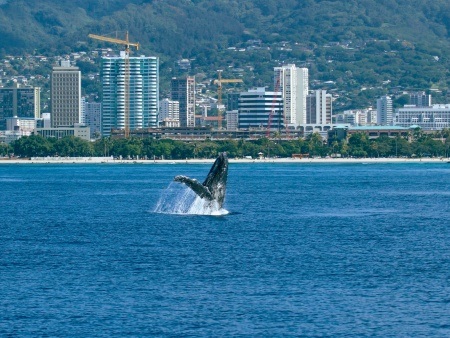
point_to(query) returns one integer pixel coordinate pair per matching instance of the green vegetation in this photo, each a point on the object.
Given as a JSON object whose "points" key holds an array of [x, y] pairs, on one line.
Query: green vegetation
{"points": [[416, 144], [355, 49]]}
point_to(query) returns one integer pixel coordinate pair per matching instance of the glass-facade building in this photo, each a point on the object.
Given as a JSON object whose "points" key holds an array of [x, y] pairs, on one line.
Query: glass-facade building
{"points": [[261, 109], [143, 92], [183, 91], [19, 101]]}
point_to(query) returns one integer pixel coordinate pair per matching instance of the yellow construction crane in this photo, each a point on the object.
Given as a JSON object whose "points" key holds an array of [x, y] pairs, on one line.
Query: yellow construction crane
{"points": [[127, 44], [219, 83]]}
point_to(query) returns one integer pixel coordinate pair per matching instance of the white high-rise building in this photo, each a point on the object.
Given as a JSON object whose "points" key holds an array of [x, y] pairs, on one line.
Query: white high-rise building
{"points": [[169, 113], [319, 108], [371, 116], [65, 95], [143, 95], [384, 111], [292, 82]]}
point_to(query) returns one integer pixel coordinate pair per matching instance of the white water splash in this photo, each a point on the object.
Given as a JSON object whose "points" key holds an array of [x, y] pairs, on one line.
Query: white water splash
{"points": [[179, 199]]}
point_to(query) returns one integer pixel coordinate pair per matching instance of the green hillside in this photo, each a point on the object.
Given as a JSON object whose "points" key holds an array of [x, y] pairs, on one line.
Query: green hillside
{"points": [[357, 49]]}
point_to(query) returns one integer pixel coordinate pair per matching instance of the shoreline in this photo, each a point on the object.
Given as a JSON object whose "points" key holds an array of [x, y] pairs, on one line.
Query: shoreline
{"points": [[108, 160]]}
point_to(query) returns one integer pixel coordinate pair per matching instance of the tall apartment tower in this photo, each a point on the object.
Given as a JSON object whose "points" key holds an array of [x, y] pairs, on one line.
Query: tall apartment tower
{"points": [[319, 108], [232, 119], [93, 118], [292, 82], [169, 113], [259, 108], [183, 91], [384, 111], [143, 98], [23, 102], [420, 99], [65, 95]]}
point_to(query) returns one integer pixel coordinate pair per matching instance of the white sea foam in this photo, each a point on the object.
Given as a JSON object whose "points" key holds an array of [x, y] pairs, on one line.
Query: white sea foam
{"points": [[179, 199]]}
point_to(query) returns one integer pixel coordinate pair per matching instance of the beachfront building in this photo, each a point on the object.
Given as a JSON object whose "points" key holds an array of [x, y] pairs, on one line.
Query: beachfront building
{"points": [[384, 111], [141, 100], [26, 124], [183, 91], [77, 130], [344, 131], [261, 109], [22, 102], [292, 82], [436, 117], [65, 95]]}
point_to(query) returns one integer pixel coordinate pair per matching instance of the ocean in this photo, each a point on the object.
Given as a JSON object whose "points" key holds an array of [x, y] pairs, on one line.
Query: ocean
{"points": [[303, 250]]}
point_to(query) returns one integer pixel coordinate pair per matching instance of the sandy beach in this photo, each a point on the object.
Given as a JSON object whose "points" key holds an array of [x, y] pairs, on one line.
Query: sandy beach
{"points": [[108, 160]]}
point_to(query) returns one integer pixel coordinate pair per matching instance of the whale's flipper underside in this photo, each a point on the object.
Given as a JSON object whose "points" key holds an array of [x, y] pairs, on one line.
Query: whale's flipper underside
{"points": [[196, 186]]}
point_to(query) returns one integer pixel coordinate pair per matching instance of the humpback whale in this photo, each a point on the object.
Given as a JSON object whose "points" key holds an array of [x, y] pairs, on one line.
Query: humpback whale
{"points": [[215, 184]]}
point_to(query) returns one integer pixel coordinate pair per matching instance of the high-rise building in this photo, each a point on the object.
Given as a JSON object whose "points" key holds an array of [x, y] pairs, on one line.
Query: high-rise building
{"points": [[83, 112], [371, 116], [65, 95], [169, 113], [22, 102], [259, 108], [93, 118], [183, 91], [319, 108], [232, 119], [143, 92], [233, 101], [384, 111], [292, 82], [420, 99]]}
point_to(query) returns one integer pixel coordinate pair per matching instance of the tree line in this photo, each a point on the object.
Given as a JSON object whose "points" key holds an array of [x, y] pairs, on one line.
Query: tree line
{"points": [[416, 144]]}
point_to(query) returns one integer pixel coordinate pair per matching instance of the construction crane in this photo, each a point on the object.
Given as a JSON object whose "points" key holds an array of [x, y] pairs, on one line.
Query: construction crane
{"points": [[219, 83], [127, 44]]}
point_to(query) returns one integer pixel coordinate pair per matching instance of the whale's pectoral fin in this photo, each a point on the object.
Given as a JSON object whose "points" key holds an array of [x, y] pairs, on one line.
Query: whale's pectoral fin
{"points": [[196, 186]]}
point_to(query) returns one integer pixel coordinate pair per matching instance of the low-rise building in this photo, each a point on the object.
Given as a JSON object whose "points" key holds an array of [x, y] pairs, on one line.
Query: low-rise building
{"points": [[82, 132], [345, 130], [20, 123], [436, 117]]}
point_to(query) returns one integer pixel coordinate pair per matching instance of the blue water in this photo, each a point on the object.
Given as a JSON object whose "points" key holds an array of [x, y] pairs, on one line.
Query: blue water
{"points": [[306, 250]]}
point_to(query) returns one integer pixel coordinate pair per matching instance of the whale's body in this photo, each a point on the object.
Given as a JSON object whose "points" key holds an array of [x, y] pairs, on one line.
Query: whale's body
{"points": [[214, 187]]}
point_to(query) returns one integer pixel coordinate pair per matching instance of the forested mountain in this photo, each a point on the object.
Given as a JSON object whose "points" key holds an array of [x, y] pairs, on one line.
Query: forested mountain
{"points": [[371, 44]]}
